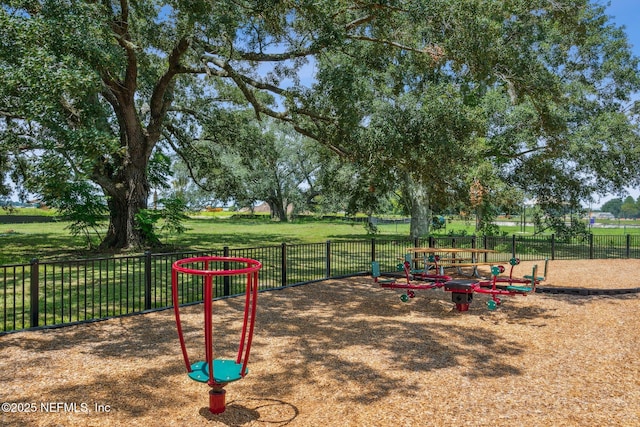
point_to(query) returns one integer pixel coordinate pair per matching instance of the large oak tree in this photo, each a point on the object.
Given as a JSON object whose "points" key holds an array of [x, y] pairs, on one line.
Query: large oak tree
{"points": [[92, 88], [93, 91], [528, 98]]}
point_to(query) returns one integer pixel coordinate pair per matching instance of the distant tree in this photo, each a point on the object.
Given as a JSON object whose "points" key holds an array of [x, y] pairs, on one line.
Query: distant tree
{"points": [[420, 143], [629, 208], [182, 187], [613, 206], [269, 162]]}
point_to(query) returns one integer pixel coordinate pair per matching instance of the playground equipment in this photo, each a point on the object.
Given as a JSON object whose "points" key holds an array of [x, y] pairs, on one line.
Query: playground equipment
{"points": [[431, 260], [435, 279], [526, 279], [217, 373], [462, 291], [508, 290], [539, 279]]}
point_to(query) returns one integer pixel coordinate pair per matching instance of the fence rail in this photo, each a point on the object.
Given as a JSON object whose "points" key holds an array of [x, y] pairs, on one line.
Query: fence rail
{"points": [[63, 292]]}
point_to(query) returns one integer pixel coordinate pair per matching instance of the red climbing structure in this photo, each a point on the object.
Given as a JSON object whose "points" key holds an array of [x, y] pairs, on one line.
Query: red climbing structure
{"points": [[217, 373]]}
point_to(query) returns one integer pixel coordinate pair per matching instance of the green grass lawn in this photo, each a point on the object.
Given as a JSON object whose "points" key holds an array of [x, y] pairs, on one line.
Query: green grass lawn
{"points": [[19, 243]]}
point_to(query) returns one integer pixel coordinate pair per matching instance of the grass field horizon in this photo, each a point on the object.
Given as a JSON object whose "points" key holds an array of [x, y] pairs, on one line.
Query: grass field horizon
{"points": [[22, 242]]}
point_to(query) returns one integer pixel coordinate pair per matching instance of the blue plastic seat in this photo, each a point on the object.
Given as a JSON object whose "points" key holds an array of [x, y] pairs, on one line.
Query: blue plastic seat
{"points": [[224, 371]]}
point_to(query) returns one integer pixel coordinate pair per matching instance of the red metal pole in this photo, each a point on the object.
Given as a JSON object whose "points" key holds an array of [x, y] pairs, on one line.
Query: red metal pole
{"points": [[217, 401], [208, 328], [243, 334], [176, 309], [253, 280]]}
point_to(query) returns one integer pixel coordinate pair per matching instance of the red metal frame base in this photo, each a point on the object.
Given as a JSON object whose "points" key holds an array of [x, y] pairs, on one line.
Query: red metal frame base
{"points": [[462, 307], [217, 401]]}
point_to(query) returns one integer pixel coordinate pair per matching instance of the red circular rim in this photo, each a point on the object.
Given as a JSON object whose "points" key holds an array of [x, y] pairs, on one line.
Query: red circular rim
{"points": [[252, 266]]}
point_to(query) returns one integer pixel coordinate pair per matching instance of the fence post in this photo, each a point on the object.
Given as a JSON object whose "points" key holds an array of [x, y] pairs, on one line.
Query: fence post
{"points": [[513, 246], [553, 247], [147, 280], [591, 246], [283, 264], [226, 280], [628, 245], [432, 242], [373, 249], [328, 260], [484, 246], [34, 308]]}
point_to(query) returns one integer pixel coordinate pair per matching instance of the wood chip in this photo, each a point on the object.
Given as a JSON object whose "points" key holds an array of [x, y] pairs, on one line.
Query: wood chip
{"points": [[349, 353]]}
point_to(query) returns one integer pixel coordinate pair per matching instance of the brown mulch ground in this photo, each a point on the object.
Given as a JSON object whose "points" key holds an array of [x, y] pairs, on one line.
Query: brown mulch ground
{"points": [[348, 353]]}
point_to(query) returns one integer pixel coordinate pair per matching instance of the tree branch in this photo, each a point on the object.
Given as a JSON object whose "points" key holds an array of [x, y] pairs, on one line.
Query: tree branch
{"points": [[436, 52], [306, 132], [160, 102], [9, 115], [274, 57], [357, 22], [241, 81], [120, 27], [171, 131], [521, 154], [73, 118]]}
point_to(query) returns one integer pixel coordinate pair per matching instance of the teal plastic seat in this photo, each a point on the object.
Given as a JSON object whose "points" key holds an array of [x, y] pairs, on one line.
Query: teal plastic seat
{"points": [[224, 371], [544, 274], [523, 289], [375, 268], [376, 273], [526, 289]]}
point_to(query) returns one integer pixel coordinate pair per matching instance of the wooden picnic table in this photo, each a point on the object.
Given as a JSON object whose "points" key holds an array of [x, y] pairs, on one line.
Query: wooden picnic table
{"points": [[459, 257], [471, 254], [451, 250]]}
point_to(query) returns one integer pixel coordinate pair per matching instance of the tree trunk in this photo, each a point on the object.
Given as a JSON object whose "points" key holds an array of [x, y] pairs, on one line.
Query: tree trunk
{"points": [[418, 200], [278, 210], [127, 195]]}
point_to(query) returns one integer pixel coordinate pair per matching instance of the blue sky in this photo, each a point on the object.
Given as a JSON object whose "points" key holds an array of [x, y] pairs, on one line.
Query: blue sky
{"points": [[627, 13]]}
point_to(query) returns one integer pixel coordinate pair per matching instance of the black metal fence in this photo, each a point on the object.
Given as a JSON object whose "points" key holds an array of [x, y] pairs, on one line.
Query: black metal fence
{"points": [[62, 292]]}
